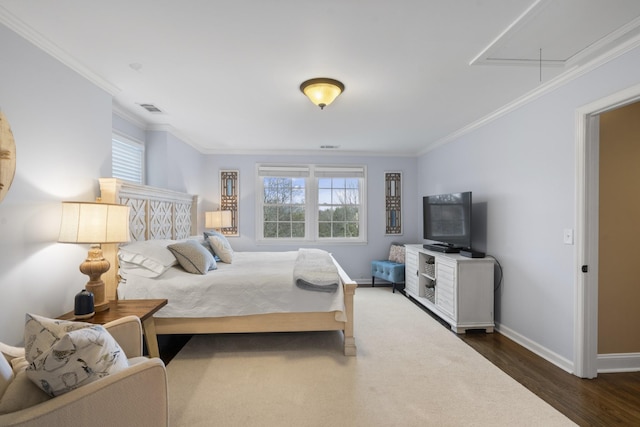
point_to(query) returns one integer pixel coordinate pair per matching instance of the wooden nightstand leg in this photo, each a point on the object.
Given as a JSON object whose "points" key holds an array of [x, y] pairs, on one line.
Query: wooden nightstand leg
{"points": [[150, 338]]}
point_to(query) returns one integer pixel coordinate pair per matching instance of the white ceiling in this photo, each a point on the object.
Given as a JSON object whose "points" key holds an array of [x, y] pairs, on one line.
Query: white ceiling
{"points": [[226, 73]]}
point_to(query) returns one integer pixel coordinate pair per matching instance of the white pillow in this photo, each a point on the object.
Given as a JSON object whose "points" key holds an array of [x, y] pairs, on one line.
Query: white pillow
{"points": [[148, 258], [6, 374], [221, 247], [65, 355]]}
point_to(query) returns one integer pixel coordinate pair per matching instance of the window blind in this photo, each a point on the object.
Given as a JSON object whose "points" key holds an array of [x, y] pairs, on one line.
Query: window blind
{"points": [[284, 171], [339, 171], [127, 160]]}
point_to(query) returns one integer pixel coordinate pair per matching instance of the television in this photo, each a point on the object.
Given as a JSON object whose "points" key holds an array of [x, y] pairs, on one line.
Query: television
{"points": [[447, 221]]}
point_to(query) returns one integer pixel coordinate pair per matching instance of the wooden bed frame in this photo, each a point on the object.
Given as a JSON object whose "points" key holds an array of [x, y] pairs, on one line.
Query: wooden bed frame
{"points": [[164, 214]]}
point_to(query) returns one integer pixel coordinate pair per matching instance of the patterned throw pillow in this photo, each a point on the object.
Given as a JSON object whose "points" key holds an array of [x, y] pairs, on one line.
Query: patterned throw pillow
{"points": [[221, 246], [65, 355], [193, 257], [396, 254]]}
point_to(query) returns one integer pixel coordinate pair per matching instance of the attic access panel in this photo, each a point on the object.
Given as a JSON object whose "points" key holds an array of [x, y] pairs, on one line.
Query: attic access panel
{"points": [[559, 33]]}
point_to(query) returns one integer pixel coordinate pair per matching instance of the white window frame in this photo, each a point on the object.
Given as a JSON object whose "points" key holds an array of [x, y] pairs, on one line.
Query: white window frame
{"points": [[311, 173], [135, 149]]}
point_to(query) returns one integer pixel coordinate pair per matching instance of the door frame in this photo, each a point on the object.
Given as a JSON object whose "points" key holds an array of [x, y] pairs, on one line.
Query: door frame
{"points": [[585, 347]]}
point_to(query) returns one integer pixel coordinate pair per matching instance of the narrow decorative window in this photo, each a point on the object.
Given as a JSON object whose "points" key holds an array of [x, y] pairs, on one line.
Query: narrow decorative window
{"points": [[229, 199], [393, 202]]}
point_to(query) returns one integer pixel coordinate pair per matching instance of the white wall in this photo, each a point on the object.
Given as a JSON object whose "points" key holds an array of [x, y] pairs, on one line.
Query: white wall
{"points": [[175, 165], [522, 166], [62, 127], [122, 125]]}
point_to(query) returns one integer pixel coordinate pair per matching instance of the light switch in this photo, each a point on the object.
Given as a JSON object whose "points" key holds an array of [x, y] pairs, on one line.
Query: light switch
{"points": [[568, 236]]}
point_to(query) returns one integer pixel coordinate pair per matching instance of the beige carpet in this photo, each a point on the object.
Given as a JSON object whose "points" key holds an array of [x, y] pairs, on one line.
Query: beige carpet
{"points": [[410, 371]]}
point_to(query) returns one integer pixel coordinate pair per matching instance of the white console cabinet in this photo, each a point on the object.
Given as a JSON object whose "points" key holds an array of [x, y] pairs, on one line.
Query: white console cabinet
{"points": [[457, 289]]}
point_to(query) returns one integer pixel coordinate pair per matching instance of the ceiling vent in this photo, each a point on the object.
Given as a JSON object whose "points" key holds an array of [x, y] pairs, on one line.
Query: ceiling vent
{"points": [[151, 108], [329, 147]]}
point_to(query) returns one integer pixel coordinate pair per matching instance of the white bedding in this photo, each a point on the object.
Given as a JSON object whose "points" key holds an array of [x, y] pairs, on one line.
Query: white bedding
{"points": [[255, 283]]}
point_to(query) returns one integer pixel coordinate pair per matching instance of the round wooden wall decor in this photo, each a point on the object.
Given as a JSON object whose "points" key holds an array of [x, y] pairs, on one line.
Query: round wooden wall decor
{"points": [[7, 156]]}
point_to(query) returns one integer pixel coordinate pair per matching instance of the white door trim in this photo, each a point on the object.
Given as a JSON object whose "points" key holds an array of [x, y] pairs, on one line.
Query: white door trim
{"points": [[585, 359]]}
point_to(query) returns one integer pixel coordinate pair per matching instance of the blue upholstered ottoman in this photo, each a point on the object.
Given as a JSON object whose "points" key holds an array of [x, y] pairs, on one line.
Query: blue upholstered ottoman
{"points": [[388, 270]]}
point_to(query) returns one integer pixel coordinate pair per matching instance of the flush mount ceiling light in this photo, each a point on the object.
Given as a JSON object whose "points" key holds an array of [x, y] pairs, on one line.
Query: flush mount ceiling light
{"points": [[322, 91]]}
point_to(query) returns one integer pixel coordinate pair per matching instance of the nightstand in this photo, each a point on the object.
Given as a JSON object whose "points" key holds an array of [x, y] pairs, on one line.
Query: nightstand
{"points": [[142, 308]]}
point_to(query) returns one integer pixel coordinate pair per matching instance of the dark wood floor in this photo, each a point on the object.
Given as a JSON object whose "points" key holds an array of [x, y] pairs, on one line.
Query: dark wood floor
{"points": [[608, 400]]}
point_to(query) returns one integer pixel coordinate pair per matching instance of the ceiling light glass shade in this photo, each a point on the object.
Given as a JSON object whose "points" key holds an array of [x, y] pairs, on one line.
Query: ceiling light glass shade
{"points": [[94, 223], [322, 91], [217, 219]]}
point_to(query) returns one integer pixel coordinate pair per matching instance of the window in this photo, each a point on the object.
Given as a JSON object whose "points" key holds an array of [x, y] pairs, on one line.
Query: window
{"points": [[311, 203], [127, 159], [284, 207]]}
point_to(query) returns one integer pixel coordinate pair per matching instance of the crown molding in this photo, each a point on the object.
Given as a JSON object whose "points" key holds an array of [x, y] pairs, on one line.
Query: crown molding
{"points": [[316, 152], [46, 45], [127, 115]]}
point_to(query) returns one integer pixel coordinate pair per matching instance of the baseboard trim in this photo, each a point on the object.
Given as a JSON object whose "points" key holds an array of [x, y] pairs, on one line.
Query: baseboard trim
{"points": [[618, 362], [545, 353]]}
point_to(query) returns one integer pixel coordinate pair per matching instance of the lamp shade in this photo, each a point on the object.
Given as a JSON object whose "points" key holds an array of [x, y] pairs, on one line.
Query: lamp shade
{"points": [[217, 219], [94, 223], [322, 91]]}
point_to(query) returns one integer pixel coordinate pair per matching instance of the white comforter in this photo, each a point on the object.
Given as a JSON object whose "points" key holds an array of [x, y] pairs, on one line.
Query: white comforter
{"points": [[255, 283]]}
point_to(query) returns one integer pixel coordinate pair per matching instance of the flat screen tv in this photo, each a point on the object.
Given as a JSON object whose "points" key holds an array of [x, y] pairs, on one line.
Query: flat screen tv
{"points": [[447, 221]]}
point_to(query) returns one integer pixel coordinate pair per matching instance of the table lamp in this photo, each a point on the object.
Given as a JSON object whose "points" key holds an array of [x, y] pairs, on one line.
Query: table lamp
{"points": [[94, 223], [217, 219]]}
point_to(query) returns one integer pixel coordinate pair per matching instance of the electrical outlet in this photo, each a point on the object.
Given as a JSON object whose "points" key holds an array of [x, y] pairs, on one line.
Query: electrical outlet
{"points": [[568, 236]]}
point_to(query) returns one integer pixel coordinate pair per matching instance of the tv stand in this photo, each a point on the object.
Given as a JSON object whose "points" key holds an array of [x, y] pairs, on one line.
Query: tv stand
{"points": [[457, 289], [440, 247]]}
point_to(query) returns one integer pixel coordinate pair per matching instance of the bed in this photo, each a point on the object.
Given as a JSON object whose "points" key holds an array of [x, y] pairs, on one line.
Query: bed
{"points": [[159, 214]]}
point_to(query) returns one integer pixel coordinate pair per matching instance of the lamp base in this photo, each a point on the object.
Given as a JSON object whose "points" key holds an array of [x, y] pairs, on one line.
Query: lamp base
{"points": [[97, 289], [95, 266], [101, 307]]}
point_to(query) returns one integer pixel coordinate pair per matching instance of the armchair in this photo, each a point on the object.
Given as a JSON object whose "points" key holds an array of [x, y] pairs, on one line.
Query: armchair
{"points": [[135, 396], [391, 269]]}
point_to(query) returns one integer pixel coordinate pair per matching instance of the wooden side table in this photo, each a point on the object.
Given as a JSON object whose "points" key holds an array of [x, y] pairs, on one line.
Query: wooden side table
{"points": [[142, 308]]}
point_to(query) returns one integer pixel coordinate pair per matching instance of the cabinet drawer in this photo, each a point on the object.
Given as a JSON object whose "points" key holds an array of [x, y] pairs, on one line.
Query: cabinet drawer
{"points": [[411, 260], [445, 294], [411, 272], [445, 303], [412, 286], [446, 289], [445, 272]]}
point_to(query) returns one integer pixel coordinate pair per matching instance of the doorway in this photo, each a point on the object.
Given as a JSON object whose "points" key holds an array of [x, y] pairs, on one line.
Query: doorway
{"points": [[587, 170]]}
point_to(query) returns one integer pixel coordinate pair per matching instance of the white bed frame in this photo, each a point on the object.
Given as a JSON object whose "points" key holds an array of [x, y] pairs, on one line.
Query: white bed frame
{"points": [[164, 214]]}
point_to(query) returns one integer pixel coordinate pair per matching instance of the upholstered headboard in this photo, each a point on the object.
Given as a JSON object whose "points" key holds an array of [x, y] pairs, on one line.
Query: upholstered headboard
{"points": [[155, 213]]}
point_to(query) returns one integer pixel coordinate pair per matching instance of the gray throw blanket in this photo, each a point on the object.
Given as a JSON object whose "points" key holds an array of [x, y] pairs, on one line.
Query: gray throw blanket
{"points": [[314, 270]]}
